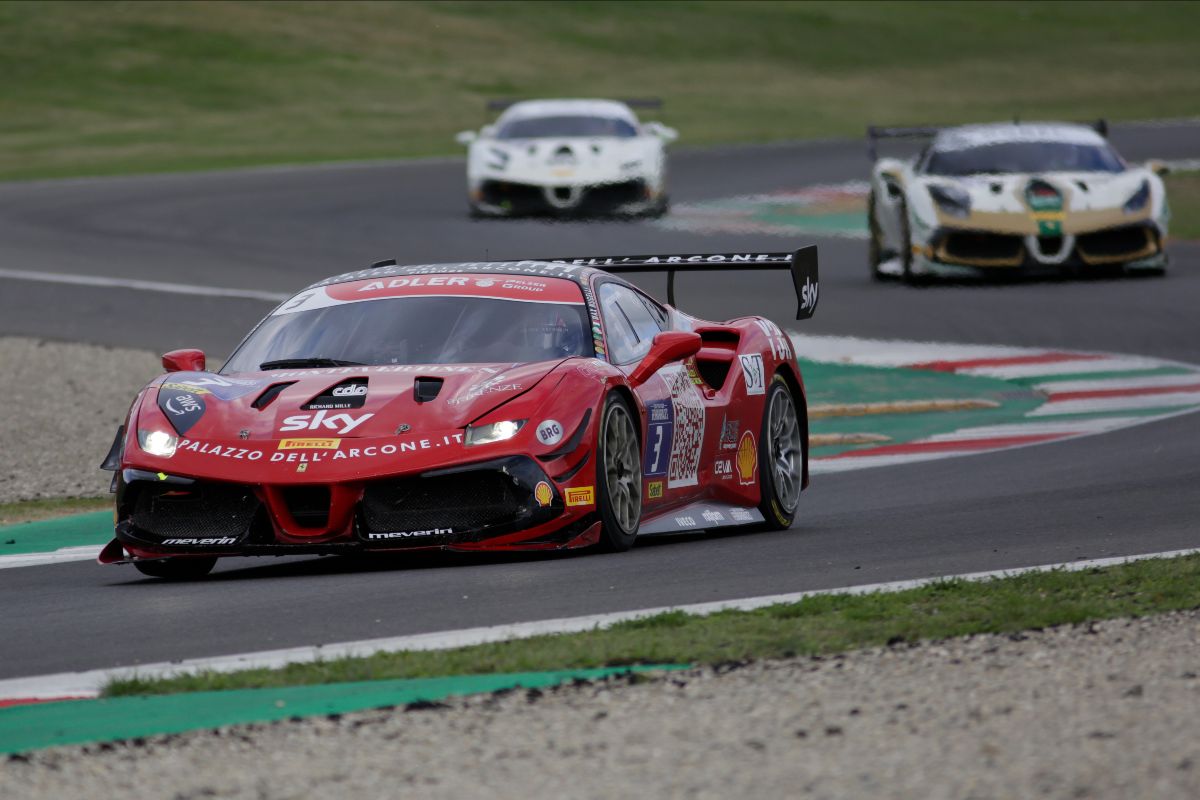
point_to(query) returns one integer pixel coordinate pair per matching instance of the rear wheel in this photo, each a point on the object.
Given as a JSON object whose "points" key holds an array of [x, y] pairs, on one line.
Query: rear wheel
{"points": [[781, 457], [177, 569], [618, 476]]}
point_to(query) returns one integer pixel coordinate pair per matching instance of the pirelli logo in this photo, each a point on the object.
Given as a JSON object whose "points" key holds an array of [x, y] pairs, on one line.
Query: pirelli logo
{"points": [[309, 444], [581, 496]]}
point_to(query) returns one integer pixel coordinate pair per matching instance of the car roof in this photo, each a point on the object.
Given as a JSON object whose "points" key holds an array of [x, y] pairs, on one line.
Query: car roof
{"points": [[968, 137], [581, 275], [532, 109]]}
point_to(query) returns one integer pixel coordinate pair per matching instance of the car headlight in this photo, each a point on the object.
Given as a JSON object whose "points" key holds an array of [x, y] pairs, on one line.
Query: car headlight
{"points": [[951, 199], [494, 432], [158, 443], [1139, 198]]}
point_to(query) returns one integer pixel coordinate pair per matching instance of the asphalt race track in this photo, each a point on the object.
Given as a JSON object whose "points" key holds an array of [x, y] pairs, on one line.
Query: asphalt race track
{"points": [[1128, 492]]}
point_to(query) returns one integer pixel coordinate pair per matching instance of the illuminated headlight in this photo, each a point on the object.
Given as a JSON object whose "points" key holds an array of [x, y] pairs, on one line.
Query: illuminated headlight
{"points": [[951, 199], [1138, 201], [157, 443], [495, 432]]}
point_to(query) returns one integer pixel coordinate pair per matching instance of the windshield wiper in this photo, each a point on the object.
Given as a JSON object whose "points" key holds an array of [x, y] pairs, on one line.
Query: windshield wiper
{"points": [[296, 363]]}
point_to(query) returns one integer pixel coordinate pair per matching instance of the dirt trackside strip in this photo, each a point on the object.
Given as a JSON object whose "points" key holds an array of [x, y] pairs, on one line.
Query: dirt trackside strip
{"points": [[37, 725]]}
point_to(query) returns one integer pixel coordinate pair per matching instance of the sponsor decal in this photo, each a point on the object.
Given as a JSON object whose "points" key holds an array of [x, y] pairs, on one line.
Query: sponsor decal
{"points": [[808, 296], [183, 409], [183, 387], [403, 427], [220, 451], [411, 534], [218, 540], [687, 433], [753, 372], [781, 348], [370, 451], [693, 373], [243, 434], [581, 496], [543, 494], [685, 521], [550, 432], [309, 444], [339, 423], [302, 466], [350, 390], [723, 468], [490, 386], [741, 515], [659, 435], [223, 387], [747, 459], [713, 516], [729, 433], [654, 490]]}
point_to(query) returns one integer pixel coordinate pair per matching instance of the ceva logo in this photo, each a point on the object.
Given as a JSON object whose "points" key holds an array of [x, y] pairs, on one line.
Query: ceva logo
{"points": [[341, 423]]}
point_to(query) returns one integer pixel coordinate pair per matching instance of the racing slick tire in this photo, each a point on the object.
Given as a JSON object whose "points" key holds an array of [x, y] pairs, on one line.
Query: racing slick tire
{"points": [[177, 569], [874, 250], [618, 476], [780, 457]]}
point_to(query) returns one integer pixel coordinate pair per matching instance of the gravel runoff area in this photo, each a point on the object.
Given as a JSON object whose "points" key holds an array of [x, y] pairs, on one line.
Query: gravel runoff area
{"points": [[60, 405], [1110, 709]]}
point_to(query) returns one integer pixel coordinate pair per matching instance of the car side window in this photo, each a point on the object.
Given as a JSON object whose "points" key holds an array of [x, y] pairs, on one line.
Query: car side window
{"points": [[628, 323]]}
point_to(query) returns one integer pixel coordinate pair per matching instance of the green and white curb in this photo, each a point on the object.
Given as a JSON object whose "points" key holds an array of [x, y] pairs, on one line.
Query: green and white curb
{"points": [[1074, 393], [837, 210]]}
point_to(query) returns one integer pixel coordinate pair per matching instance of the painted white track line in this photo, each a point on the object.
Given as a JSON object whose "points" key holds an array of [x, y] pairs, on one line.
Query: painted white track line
{"points": [[88, 552], [138, 285], [89, 684]]}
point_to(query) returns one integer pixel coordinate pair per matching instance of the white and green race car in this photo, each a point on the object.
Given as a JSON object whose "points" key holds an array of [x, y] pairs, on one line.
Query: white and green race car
{"points": [[1014, 198]]}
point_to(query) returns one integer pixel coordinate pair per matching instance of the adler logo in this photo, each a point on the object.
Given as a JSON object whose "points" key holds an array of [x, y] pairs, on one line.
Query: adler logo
{"points": [[340, 423], [808, 296]]}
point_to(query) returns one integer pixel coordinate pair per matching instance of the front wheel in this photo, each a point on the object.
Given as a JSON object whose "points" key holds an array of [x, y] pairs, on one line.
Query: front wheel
{"points": [[781, 455], [618, 476], [177, 569]]}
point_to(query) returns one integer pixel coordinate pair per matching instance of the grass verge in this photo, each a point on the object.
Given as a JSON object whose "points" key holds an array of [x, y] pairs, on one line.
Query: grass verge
{"points": [[121, 87], [815, 626], [1183, 195], [34, 510]]}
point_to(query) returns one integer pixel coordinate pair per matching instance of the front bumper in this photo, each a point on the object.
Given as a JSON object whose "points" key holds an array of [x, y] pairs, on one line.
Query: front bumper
{"points": [[952, 251], [514, 198], [506, 503]]}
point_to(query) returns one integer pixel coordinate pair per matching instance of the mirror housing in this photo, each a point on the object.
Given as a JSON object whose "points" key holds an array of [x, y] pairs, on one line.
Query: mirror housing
{"points": [[184, 361], [667, 346], [1159, 168], [465, 137], [661, 131]]}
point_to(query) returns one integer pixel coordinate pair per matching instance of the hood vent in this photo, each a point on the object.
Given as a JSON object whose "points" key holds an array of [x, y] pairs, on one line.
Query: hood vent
{"points": [[350, 393], [269, 394], [426, 389]]}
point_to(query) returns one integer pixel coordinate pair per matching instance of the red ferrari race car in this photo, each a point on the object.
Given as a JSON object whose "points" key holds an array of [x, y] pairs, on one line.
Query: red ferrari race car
{"points": [[521, 405]]}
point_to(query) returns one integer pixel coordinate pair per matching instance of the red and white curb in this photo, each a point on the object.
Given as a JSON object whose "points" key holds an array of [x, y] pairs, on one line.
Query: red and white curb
{"points": [[1121, 391], [86, 685]]}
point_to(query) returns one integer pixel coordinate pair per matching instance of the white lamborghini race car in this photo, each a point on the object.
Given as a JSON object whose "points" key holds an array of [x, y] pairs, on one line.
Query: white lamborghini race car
{"points": [[568, 157], [1014, 198]]}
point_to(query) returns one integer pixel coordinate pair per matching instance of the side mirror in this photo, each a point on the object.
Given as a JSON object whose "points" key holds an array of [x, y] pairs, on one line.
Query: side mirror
{"points": [[661, 131], [667, 346], [487, 131], [1159, 168], [183, 361], [465, 137]]}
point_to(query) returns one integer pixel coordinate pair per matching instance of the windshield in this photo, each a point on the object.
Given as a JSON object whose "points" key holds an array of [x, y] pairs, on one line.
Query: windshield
{"points": [[1020, 157], [535, 127], [419, 330]]}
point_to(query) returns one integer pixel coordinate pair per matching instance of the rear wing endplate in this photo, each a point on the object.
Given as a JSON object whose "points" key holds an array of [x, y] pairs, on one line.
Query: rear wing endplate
{"points": [[802, 264]]}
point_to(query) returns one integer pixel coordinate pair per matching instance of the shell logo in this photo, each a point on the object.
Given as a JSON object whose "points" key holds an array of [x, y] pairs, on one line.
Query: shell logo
{"points": [[543, 494], [747, 458]]}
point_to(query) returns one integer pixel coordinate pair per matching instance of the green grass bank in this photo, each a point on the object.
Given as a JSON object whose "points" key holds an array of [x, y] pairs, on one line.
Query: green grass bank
{"points": [[123, 87], [819, 625]]}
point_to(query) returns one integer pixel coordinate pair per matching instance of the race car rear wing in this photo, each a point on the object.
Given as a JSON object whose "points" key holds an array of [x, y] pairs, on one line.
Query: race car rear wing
{"points": [[875, 133], [802, 264], [652, 103]]}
